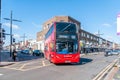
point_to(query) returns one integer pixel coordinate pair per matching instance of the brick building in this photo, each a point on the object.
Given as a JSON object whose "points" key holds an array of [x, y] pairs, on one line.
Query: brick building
{"points": [[47, 24], [87, 39]]}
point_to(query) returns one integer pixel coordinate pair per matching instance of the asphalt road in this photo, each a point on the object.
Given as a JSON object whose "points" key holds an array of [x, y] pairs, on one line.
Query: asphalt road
{"points": [[41, 69]]}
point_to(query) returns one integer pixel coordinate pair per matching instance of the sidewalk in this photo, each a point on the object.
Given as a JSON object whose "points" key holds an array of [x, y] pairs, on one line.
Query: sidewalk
{"points": [[2, 64], [5, 59], [117, 75]]}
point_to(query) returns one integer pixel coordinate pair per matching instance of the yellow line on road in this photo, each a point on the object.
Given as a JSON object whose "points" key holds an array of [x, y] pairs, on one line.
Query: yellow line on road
{"points": [[31, 68], [35, 67], [43, 62], [105, 70], [11, 68], [26, 64], [22, 66]]}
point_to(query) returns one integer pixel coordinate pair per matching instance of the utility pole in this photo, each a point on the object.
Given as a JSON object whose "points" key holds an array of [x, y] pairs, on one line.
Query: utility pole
{"points": [[11, 39], [24, 36], [99, 36], [99, 39]]}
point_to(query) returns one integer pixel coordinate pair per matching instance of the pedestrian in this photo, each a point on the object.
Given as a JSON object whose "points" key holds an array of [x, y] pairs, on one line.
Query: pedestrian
{"points": [[14, 54]]}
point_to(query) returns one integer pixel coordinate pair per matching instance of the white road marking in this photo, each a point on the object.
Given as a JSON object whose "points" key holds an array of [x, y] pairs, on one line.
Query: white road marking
{"points": [[1, 74]]}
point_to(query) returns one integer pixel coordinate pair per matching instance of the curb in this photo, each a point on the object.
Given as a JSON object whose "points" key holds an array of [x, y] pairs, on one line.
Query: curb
{"points": [[102, 74], [2, 64]]}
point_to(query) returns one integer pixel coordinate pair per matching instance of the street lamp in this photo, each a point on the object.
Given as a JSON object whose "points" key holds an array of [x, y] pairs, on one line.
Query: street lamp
{"points": [[11, 31]]}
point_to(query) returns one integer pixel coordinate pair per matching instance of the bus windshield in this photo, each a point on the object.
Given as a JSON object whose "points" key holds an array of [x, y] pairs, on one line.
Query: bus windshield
{"points": [[66, 47], [65, 27]]}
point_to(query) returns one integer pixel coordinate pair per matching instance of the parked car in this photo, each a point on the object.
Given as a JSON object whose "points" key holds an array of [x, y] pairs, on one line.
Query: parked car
{"points": [[22, 51], [111, 52], [115, 52], [25, 51], [37, 53], [118, 51], [108, 52]]}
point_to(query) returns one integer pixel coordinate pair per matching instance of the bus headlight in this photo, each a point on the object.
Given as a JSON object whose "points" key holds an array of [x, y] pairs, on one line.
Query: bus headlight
{"points": [[58, 57]]}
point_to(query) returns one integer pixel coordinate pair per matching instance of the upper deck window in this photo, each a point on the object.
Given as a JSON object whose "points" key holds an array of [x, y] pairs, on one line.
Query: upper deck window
{"points": [[65, 27]]}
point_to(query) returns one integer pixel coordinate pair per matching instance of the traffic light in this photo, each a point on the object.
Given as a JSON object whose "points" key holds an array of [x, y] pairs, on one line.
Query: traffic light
{"points": [[13, 39], [2, 33]]}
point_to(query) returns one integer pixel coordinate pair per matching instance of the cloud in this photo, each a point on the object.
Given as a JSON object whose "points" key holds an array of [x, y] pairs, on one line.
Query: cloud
{"points": [[16, 36], [109, 37], [106, 25], [95, 33], [13, 26]]}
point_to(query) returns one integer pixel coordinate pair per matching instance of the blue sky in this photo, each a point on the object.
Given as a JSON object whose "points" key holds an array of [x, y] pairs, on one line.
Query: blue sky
{"points": [[94, 15]]}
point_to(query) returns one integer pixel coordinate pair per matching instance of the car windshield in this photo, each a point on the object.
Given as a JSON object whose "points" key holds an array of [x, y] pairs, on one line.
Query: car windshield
{"points": [[36, 51], [26, 50], [115, 51]]}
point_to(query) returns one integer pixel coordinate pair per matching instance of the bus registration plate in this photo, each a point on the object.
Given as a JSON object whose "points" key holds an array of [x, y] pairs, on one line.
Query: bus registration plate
{"points": [[67, 61]]}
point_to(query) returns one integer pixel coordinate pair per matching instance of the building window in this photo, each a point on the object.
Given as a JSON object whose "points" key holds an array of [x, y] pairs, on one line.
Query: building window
{"points": [[88, 35], [82, 34], [61, 20], [44, 36], [91, 37], [48, 25], [44, 27], [40, 37]]}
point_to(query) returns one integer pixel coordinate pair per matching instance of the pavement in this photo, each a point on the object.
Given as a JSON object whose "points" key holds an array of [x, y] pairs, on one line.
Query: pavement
{"points": [[2, 64], [117, 74], [6, 60]]}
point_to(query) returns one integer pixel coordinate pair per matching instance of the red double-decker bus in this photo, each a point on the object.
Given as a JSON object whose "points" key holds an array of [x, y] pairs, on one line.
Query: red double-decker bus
{"points": [[62, 43]]}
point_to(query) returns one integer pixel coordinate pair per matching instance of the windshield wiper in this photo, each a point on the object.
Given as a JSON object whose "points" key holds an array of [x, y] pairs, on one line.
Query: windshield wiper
{"points": [[65, 27]]}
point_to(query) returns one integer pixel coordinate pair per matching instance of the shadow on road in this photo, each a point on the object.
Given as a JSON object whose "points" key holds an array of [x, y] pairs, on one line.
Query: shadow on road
{"points": [[82, 62]]}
